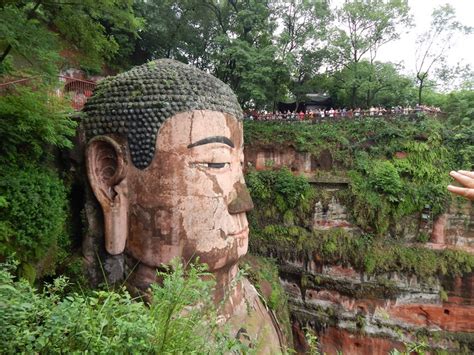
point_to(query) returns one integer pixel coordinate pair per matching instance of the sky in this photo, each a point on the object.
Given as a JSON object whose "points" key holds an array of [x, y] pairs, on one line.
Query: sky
{"points": [[403, 50]]}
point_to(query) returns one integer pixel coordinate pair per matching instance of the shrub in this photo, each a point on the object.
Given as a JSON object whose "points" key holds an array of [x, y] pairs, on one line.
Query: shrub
{"points": [[179, 320], [32, 214]]}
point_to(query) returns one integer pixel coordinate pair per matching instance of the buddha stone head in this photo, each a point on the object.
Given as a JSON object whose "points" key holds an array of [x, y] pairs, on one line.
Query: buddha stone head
{"points": [[164, 160]]}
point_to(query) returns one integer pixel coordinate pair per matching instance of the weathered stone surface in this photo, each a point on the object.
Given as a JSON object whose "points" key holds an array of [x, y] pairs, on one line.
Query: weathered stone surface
{"points": [[346, 307], [332, 215], [455, 227], [360, 314], [262, 158]]}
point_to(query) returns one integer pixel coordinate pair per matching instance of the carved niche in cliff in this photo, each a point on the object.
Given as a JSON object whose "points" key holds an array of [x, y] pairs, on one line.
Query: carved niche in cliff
{"points": [[164, 160]]}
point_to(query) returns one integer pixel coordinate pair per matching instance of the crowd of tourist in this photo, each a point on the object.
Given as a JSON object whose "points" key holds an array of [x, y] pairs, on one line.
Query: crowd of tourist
{"points": [[340, 113]]}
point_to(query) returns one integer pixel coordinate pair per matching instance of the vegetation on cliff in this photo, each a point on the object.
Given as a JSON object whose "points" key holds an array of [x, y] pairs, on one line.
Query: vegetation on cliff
{"points": [[396, 169], [33, 197]]}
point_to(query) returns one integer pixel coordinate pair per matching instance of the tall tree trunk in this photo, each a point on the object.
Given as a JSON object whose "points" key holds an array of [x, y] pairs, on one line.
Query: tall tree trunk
{"points": [[420, 90], [353, 96]]}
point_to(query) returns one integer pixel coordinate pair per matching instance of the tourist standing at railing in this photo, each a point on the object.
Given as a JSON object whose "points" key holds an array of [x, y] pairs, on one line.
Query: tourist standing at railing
{"points": [[301, 115]]}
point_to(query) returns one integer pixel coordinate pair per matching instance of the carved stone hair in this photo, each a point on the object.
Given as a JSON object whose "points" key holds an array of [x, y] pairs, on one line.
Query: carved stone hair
{"points": [[137, 102]]}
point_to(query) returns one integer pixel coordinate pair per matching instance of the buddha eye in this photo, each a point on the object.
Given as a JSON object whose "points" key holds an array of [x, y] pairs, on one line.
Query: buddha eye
{"points": [[217, 165], [210, 165]]}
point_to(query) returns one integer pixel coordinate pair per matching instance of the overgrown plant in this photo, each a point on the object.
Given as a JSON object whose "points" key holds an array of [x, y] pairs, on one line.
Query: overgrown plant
{"points": [[179, 319], [34, 123], [32, 218], [365, 253], [396, 167]]}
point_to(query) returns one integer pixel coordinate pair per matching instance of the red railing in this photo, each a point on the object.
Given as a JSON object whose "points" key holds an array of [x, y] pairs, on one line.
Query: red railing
{"points": [[79, 90]]}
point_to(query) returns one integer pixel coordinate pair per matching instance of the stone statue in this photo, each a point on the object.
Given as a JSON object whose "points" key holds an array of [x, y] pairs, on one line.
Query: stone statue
{"points": [[164, 159]]}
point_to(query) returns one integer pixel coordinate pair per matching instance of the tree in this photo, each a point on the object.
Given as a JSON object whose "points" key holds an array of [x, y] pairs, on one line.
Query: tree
{"points": [[34, 121], [181, 29], [232, 39], [35, 31], [300, 43], [304, 23], [362, 27], [378, 84], [434, 44], [384, 86]]}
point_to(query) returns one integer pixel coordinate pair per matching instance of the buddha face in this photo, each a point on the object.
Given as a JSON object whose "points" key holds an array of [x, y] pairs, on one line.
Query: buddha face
{"points": [[189, 202]]}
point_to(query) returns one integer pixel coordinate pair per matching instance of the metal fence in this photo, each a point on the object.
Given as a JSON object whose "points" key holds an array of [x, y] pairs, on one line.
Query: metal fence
{"points": [[77, 90]]}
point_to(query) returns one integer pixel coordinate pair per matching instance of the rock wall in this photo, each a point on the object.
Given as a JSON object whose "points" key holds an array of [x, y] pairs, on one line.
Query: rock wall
{"points": [[299, 162], [358, 314]]}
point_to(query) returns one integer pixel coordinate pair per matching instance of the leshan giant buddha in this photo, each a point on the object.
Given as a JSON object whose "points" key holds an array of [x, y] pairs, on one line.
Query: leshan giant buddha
{"points": [[164, 159]]}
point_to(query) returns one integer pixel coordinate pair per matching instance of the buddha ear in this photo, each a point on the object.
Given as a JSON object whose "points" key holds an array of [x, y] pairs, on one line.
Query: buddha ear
{"points": [[107, 173]]}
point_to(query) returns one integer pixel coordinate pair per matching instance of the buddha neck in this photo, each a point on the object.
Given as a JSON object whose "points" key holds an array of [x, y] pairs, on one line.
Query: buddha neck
{"points": [[227, 292]]}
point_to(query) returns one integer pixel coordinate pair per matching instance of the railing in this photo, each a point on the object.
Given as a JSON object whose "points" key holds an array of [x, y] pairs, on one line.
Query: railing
{"points": [[78, 90], [294, 118], [4, 86]]}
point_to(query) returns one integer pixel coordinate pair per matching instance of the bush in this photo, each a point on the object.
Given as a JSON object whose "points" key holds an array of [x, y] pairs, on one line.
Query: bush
{"points": [[179, 320], [32, 214]]}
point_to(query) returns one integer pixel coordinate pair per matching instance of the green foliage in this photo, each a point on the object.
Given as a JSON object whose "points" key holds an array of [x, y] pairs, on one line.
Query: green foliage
{"points": [[418, 348], [459, 137], [365, 253], [383, 187], [366, 84], [87, 27], [28, 37], [33, 216], [284, 188], [385, 190], [362, 27], [384, 177], [258, 79], [231, 39], [179, 319], [397, 168], [312, 341], [31, 121]]}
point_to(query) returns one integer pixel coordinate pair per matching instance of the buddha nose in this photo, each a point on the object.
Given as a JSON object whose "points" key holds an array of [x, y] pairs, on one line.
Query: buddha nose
{"points": [[242, 202]]}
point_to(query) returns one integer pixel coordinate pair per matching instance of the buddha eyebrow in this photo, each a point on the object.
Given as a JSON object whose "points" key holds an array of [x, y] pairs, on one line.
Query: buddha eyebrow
{"points": [[214, 139]]}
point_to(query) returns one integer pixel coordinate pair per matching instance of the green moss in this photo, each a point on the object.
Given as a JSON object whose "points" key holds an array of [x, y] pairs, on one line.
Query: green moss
{"points": [[377, 289], [365, 253], [382, 193], [263, 273]]}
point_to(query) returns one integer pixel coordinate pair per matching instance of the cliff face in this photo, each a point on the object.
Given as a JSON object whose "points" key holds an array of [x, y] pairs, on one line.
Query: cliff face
{"points": [[359, 312]]}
